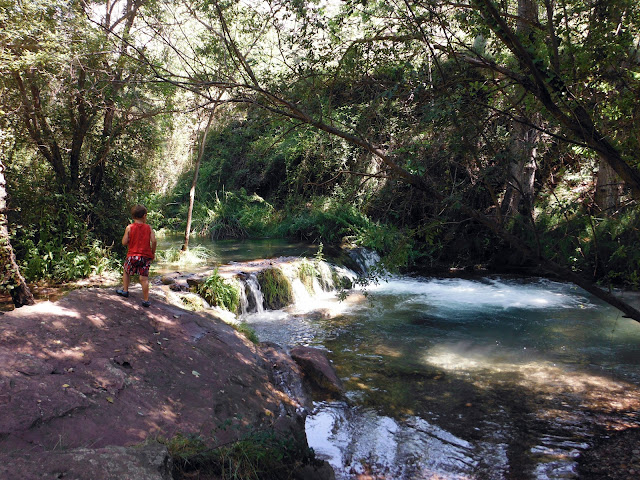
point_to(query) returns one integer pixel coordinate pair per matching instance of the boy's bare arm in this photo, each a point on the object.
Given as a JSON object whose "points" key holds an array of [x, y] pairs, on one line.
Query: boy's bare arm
{"points": [[154, 243], [125, 237]]}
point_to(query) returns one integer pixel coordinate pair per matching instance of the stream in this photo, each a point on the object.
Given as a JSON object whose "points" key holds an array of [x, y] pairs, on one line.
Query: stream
{"points": [[488, 377]]}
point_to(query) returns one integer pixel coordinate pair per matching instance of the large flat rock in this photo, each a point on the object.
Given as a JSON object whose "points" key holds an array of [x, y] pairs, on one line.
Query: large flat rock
{"points": [[97, 371]]}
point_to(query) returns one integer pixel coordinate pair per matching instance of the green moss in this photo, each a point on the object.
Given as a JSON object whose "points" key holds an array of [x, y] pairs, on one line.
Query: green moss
{"points": [[219, 292], [247, 331], [276, 288], [307, 271]]}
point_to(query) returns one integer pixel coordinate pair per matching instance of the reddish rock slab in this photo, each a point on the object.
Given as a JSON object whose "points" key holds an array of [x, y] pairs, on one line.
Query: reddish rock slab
{"points": [[318, 370], [95, 370], [145, 462]]}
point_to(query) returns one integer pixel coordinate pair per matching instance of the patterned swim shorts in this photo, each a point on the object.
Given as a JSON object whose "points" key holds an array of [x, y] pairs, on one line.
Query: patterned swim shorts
{"points": [[136, 265]]}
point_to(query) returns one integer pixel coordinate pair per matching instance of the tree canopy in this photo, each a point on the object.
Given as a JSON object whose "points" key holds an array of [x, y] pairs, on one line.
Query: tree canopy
{"points": [[490, 122]]}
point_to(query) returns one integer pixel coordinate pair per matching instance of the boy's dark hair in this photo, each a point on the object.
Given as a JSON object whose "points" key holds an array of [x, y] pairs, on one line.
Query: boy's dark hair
{"points": [[138, 211]]}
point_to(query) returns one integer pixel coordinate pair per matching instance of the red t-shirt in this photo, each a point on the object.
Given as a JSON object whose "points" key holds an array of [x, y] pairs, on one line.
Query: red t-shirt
{"points": [[140, 240]]}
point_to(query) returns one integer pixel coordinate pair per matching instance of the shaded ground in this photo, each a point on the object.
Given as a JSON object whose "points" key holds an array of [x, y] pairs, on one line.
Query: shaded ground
{"points": [[96, 371]]}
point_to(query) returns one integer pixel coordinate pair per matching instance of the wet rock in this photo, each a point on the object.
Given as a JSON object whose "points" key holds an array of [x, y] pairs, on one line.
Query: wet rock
{"points": [[317, 369], [169, 278], [195, 281], [321, 471], [288, 375]]}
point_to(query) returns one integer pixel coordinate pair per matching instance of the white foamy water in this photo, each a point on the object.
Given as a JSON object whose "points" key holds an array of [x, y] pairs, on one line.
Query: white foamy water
{"points": [[456, 293]]}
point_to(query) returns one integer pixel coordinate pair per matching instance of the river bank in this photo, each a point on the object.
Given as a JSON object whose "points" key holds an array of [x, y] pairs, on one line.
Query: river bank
{"points": [[94, 386]]}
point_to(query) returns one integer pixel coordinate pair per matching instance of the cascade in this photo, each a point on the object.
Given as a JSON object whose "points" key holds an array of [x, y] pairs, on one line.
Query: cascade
{"points": [[320, 279], [251, 297]]}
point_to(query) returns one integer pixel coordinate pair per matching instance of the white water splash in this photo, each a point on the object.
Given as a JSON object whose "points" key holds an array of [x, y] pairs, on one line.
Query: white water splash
{"points": [[457, 293]]}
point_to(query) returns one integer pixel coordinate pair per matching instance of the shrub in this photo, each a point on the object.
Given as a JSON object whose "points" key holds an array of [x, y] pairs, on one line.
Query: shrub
{"points": [[219, 292]]}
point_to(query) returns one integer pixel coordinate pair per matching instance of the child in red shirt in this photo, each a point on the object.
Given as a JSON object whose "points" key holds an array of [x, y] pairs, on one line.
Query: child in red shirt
{"points": [[141, 240]]}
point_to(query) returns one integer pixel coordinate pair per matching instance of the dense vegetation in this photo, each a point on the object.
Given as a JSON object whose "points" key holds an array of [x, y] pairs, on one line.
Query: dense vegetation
{"points": [[440, 134]]}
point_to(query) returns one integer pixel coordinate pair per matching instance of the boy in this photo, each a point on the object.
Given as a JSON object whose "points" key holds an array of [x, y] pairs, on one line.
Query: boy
{"points": [[141, 240]]}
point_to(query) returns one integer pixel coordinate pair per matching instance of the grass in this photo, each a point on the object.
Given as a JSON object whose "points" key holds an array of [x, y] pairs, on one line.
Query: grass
{"points": [[258, 455], [219, 292], [197, 255]]}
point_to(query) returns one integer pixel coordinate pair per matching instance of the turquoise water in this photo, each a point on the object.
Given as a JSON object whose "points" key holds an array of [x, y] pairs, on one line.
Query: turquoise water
{"points": [[459, 378], [488, 378]]}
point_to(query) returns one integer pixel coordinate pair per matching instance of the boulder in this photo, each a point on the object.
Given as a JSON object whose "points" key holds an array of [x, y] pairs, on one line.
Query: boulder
{"points": [[318, 370]]}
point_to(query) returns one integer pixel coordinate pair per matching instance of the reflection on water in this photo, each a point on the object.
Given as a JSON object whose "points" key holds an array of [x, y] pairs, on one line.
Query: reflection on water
{"points": [[467, 379]]}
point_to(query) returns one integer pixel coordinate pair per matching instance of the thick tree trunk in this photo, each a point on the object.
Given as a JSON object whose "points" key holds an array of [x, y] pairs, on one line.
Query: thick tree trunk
{"points": [[12, 280], [608, 187], [519, 193]]}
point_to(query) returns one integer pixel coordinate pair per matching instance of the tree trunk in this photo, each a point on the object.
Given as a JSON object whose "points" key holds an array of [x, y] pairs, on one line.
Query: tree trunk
{"points": [[608, 186], [519, 193], [12, 280], [192, 192]]}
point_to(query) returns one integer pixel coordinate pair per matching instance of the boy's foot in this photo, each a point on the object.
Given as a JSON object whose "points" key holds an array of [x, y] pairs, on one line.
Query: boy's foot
{"points": [[122, 293], [146, 303]]}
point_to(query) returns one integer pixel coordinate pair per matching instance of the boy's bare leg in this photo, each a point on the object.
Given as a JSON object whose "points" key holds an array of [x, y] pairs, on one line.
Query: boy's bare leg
{"points": [[126, 278], [144, 281]]}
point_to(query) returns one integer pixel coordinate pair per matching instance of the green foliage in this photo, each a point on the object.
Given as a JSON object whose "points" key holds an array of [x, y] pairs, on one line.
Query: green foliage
{"points": [[307, 272], [220, 292], [323, 220], [226, 215], [276, 288], [247, 331], [60, 247], [258, 455]]}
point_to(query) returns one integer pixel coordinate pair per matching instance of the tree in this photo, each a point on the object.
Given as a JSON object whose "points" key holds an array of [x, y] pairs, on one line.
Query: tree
{"points": [[12, 280], [440, 38], [72, 82], [194, 182]]}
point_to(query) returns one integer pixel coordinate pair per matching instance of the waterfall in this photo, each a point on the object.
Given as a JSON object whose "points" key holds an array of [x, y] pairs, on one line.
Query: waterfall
{"points": [[251, 297], [310, 280], [254, 288]]}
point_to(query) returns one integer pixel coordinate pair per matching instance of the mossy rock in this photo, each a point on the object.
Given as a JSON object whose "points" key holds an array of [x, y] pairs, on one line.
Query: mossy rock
{"points": [[276, 288]]}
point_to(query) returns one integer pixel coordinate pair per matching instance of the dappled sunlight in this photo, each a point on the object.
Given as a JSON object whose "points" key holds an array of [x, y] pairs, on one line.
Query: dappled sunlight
{"points": [[66, 354], [53, 309], [544, 377], [98, 320], [144, 348]]}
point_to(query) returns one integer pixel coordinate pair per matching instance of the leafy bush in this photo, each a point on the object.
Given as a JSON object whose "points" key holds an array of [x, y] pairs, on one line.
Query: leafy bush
{"points": [[219, 292]]}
